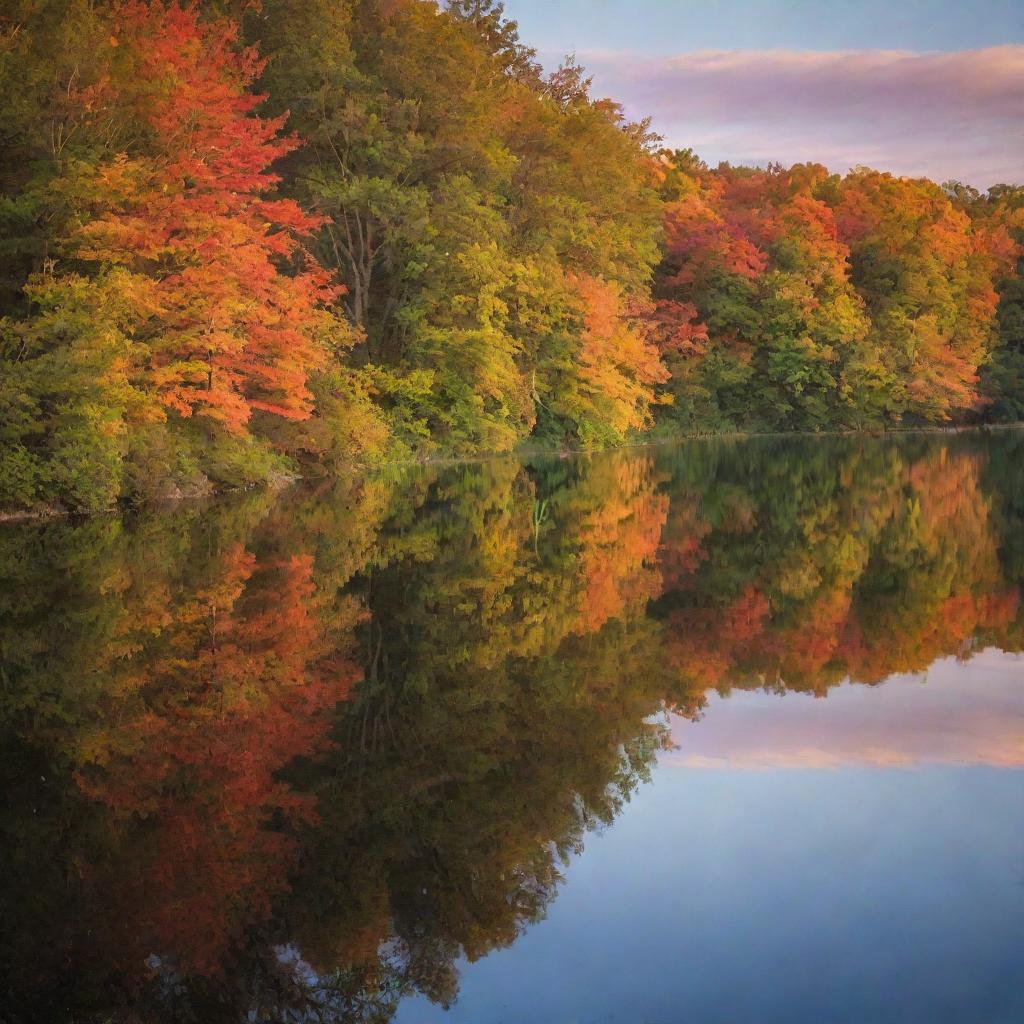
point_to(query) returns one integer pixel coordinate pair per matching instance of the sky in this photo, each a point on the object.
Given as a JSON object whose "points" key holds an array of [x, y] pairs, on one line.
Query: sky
{"points": [[917, 87]]}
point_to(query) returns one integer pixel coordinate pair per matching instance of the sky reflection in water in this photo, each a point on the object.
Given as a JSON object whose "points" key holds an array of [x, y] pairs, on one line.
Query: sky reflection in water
{"points": [[849, 860]]}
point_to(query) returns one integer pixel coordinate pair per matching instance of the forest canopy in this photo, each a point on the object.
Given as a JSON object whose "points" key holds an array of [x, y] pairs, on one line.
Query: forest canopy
{"points": [[242, 241]]}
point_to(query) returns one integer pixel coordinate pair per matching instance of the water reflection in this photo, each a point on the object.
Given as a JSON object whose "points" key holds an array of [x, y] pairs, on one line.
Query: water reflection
{"points": [[295, 757]]}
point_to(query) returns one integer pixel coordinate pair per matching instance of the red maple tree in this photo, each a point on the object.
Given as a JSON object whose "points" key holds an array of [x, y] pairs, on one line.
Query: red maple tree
{"points": [[225, 330]]}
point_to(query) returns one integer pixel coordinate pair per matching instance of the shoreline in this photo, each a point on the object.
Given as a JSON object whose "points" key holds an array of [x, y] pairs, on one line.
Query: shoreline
{"points": [[28, 515]]}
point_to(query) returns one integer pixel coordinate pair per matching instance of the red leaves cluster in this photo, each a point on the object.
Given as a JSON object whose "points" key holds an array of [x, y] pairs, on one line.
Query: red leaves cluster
{"points": [[227, 331]]}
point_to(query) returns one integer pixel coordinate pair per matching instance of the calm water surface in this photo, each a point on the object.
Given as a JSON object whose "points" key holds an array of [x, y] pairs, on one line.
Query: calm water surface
{"points": [[719, 732]]}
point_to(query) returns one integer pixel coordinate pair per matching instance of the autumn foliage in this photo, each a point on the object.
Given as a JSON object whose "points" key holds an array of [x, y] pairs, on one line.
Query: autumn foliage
{"points": [[223, 330], [254, 240], [805, 300]]}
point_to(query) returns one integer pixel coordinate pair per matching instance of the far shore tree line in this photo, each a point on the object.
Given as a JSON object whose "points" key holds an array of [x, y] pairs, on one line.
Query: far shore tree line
{"points": [[242, 241]]}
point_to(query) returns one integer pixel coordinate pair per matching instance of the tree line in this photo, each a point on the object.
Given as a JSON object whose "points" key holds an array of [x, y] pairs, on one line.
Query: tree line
{"points": [[247, 240]]}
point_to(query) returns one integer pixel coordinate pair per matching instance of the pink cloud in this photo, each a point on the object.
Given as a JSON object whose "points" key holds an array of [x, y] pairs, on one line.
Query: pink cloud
{"points": [[944, 115], [957, 713]]}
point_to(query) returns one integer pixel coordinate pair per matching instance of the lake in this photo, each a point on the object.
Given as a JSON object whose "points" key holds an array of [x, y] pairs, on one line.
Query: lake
{"points": [[722, 731]]}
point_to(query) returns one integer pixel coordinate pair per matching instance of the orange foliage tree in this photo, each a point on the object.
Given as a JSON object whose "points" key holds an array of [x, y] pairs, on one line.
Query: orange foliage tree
{"points": [[225, 331], [927, 275]]}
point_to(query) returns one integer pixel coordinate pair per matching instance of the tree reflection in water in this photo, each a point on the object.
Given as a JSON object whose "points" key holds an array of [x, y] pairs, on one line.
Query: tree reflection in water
{"points": [[292, 757]]}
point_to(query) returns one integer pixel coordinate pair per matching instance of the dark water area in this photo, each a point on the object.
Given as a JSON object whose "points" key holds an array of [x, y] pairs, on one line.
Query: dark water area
{"points": [[724, 731]]}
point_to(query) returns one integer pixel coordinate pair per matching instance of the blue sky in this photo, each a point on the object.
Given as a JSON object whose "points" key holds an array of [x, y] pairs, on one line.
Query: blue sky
{"points": [[673, 26], [930, 87]]}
